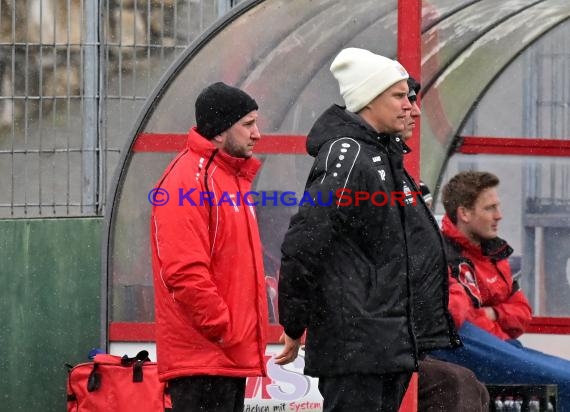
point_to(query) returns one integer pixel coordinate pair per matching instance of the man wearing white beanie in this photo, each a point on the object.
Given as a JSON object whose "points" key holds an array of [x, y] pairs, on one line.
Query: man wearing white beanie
{"points": [[363, 75], [364, 278]]}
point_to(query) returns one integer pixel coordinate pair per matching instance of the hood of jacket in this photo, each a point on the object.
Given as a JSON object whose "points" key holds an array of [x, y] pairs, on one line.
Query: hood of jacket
{"points": [[336, 122]]}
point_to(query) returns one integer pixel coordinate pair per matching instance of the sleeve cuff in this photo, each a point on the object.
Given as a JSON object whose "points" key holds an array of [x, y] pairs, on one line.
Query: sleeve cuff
{"points": [[294, 333]]}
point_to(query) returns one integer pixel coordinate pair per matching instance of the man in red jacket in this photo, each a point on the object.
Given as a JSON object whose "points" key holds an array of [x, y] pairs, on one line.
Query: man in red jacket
{"points": [[211, 306], [486, 301]]}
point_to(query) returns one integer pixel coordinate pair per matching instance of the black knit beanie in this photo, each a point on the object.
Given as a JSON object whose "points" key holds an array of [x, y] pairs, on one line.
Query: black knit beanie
{"points": [[414, 89], [219, 107]]}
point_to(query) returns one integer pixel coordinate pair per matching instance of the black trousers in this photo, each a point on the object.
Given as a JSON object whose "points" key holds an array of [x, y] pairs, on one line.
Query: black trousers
{"points": [[370, 393], [207, 394]]}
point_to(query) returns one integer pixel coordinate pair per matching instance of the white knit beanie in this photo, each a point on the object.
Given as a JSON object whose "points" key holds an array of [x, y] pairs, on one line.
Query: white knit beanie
{"points": [[363, 75]]}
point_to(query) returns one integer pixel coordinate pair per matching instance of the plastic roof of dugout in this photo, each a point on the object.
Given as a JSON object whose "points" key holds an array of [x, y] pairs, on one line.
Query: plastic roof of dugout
{"points": [[280, 51]]}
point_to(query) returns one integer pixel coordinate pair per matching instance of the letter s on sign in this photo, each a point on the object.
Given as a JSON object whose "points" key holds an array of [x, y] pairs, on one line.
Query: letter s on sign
{"points": [[300, 382]]}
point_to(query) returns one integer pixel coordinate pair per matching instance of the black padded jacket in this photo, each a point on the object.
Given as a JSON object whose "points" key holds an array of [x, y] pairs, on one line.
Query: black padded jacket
{"points": [[368, 282]]}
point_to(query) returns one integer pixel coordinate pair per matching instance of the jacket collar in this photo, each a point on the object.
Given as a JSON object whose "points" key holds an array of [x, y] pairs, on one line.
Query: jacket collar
{"points": [[336, 122], [496, 249], [395, 141], [235, 165]]}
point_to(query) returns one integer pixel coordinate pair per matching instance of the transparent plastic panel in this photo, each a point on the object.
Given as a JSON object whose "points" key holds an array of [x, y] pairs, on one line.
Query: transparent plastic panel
{"points": [[465, 74], [437, 10], [287, 71], [531, 97], [458, 28], [288, 63], [130, 278], [535, 203]]}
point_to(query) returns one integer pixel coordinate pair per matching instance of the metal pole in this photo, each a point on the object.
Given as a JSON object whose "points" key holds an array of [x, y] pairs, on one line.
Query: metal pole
{"points": [[90, 147], [91, 141], [410, 56]]}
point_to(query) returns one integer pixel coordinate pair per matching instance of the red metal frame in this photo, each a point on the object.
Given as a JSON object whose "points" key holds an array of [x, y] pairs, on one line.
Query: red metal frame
{"points": [[173, 143], [410, 56], [159, 142], [144, 331], [514, 146], [295, 144], [551, 326]]}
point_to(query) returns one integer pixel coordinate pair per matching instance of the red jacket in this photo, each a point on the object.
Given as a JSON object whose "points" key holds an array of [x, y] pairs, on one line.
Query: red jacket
{"points": [[211, 304], [479, 279]]}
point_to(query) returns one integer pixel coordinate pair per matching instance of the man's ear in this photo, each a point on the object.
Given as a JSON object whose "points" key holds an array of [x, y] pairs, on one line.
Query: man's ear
{"points": [[219, 138], [463, 214]]}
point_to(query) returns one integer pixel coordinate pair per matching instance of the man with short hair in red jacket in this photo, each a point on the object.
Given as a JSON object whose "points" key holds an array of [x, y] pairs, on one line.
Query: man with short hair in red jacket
{"points": [[486, 301], [211, 306]]}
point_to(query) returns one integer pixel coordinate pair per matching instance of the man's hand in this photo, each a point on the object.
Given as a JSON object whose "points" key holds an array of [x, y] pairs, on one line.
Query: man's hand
{"points": [[290, 351], [490, 312]]}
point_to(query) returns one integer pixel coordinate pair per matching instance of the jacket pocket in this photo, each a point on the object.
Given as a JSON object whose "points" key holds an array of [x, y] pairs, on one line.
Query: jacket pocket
{"points": [[356, 279]]}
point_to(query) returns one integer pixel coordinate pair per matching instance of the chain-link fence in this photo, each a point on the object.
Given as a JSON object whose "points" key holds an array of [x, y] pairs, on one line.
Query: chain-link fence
{"points": [[73, 76]]}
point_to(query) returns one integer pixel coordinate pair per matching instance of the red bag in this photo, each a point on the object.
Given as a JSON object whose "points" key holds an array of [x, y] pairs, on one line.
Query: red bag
{"points": [[111, 383]]}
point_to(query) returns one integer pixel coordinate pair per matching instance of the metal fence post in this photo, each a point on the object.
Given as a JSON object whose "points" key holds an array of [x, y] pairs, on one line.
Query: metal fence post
{"points": [[90, 110]]}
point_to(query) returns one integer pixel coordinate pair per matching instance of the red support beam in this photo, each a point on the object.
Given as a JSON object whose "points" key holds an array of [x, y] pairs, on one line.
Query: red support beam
{"points": [[173, 143], [160, 142], [144, 332], [548, 325], [514, 146], [410, 56]]}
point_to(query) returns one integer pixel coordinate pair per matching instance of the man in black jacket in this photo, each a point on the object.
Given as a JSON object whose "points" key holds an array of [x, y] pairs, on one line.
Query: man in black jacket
{"points": [[365, 275], [442, 386]]}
